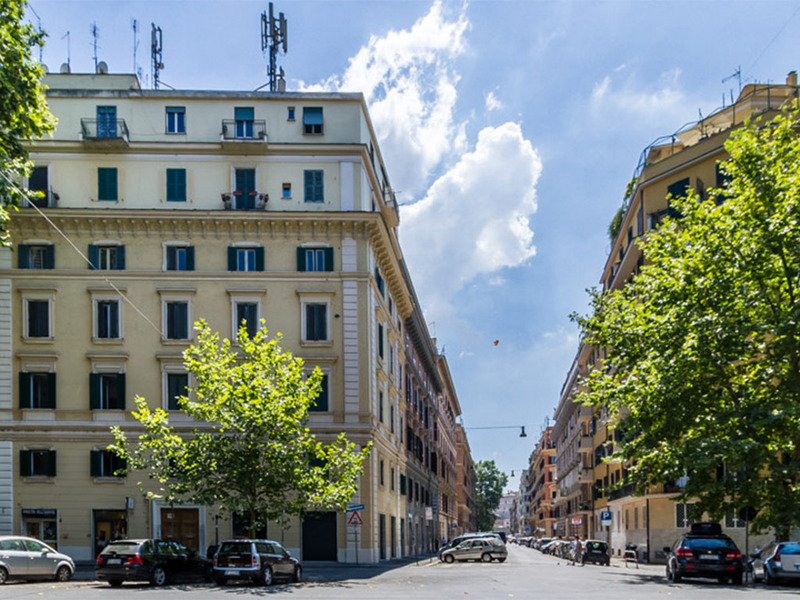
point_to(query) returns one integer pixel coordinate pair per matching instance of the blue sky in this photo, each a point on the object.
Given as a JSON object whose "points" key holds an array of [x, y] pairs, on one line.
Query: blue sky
{"points": [[510, 129]]}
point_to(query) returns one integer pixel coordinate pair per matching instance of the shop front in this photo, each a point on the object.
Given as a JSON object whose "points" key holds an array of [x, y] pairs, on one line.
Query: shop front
{"points": [[42, 524]]}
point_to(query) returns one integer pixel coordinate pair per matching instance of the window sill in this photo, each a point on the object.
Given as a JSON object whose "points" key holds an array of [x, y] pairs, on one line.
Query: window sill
{"points": [[108, 341], [316, 343], [39, 479], [38, 414], [38, 340], [176, 341], [109, 479]]}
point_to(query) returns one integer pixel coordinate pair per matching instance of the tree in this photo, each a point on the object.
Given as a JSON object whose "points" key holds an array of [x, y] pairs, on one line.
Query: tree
{"points": [[251, 452], [23, 109], [489, 485], [703, 368]]}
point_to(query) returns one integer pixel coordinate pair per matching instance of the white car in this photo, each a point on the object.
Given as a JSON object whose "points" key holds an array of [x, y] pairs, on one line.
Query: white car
{"points": [[485, 549], [28, 558]]}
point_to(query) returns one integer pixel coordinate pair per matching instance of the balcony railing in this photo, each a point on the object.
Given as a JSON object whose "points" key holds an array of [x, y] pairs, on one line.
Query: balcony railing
{"points": [[244, 131], [48, 199], [241, 201], [104, 130], [625, 490]]}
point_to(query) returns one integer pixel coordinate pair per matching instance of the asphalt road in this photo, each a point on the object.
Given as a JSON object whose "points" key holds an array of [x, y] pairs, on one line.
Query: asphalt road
{"points": [[526, 574]]}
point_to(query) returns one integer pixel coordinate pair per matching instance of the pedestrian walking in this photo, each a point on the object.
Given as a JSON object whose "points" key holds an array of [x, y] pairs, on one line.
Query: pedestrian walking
{"points": [[577, 550]]}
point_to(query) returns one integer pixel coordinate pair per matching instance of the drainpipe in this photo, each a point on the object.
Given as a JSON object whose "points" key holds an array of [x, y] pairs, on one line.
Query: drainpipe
{"points": [[647, 510]]}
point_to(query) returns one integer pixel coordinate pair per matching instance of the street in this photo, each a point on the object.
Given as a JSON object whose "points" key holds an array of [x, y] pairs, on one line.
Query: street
{"points": [[526, 574]]}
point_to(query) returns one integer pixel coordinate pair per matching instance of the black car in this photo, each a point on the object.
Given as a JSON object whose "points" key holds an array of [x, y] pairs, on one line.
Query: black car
{"points": [[260, 561], [705, 552], [595, 551], [156, 561]]}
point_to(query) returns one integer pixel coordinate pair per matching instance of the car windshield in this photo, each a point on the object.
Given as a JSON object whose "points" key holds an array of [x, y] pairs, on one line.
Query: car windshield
{"points": [[791, 548], [235, 548], [601, 546], [710, 544], [121, 548]]}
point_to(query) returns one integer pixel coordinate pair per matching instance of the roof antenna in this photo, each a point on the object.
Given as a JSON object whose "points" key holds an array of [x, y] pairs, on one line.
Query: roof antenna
{"points": [[738, 75], [135, 42], [273, 37], [95, 35], [155, 52]]}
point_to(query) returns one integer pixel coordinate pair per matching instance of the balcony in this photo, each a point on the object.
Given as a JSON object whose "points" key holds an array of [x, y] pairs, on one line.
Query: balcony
{"points": [[585, 443], [625, 490], [49, 199], [106, 132], [240, 201], [235, 132]]}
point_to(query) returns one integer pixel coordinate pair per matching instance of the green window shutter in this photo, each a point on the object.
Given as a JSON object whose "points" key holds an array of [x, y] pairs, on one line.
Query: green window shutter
{"points": [[190, 258], [329, 259], [94, 391], [121, 391], [176, 185], [24, 390], [243, 113], [50, 257], [51, 463], [25, 469], [231, 258], [51, 390], [96, 463], [94, 256], [107, 183], [301, 259], [23, 256], [259, 259], [120, 258]]}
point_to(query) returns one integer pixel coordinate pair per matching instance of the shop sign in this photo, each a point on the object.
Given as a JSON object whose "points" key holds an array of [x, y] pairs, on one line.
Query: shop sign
{"points": [[39, 513]]}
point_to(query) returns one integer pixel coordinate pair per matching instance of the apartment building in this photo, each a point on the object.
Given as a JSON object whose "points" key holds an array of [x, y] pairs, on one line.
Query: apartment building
{"points": [[467, 479], [163, 207], [541, 487], [688, 158]]}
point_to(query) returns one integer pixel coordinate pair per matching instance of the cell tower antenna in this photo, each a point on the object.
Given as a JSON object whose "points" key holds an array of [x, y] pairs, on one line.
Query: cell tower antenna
{"points": [[273, 39], [39, 30], [95, 36], [135, 42], [155, 51], [738, 75]]}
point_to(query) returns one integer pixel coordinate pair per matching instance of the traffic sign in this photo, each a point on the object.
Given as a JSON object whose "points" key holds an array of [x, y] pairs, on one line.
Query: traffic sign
{"points": [[355, 519], [355, 507], [605, 518]]}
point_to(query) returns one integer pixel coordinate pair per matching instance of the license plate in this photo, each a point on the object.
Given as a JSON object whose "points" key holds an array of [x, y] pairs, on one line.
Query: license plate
{"points": [[709, 557], [231, 572], [114, 561]]}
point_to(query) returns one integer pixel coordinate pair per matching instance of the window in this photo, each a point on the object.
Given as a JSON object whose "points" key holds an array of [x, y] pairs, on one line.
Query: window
{"points": [[381, 472], [107, 324], [107, 257], [290, 114], [244, 117], [176, 119], [679, 189], [245, 192], [177, 386], [179, 258], [379, 282], [177, 317], [36, 256], [380, 340], [314, 259], [312, 121], [380, 406], [391, 418], [314, 188], [106, 121], [247, 314], [245, 259], [107, 391], [684, 516], [37, 463], [316, 322], [107, 183], [176, 185], [39, 181], [38, 318], [105, 463], [37, 390], [322, 402], [287, 191]]}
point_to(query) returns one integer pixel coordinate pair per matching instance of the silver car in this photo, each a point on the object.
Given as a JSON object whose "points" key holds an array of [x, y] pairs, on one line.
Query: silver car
{"points": [[485, 549], [777, 562], [27, 558]]}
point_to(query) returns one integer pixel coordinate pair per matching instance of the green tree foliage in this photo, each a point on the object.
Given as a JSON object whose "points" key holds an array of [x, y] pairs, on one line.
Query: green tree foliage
{"points": [[489, 485], [23, 109], [703, 367], [250, 452]]}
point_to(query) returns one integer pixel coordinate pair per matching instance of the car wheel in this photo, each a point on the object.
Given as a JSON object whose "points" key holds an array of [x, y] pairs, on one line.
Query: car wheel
{"points": [[266, 576], [676, 577], [159, 576], [768, 578], [115, 582], [448, 558], [486, 557], [3, 575], [737, 579], [63, 573], [298, 574], [502, 559]]}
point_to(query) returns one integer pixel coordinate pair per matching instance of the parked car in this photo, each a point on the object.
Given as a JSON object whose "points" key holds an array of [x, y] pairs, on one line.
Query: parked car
{"points": [[595, 551], [28, 558], [156, 561], [705, 552], [260, 561], [464, 536], [777, 562], [485, 549]]}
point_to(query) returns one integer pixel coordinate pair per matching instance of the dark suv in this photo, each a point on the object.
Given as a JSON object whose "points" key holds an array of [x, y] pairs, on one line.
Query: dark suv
{"points": [[260, 561], [705, 552], [156, 561]]}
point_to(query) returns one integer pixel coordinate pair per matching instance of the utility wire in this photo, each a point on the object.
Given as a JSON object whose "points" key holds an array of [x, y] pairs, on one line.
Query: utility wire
{"points": [[775, 37], [80, 253]]}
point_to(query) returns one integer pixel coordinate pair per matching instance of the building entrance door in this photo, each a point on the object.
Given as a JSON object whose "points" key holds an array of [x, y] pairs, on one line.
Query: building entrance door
{"points": [[181, 525], [108, 525], [319, 536]]}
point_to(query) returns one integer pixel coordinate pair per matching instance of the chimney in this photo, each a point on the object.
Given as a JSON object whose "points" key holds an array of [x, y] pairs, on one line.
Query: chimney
{"points": [[791, 78]]}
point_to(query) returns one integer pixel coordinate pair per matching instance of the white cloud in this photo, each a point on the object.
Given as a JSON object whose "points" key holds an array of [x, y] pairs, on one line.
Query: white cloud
{"points": [[410, 85], [493, 102], [475, 218], [662, 101]]}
